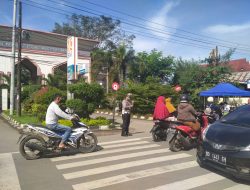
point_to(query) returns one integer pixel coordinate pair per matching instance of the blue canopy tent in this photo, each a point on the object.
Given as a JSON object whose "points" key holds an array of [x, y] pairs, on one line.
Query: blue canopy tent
{"points": [[225, 89]]}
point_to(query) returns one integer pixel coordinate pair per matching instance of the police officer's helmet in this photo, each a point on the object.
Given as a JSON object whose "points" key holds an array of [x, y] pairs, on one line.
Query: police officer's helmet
{"points": [[184, 98]]}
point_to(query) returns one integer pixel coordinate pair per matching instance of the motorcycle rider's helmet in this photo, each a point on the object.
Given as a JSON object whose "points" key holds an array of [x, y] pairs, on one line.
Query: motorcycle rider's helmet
{"points": [[184, 98]]}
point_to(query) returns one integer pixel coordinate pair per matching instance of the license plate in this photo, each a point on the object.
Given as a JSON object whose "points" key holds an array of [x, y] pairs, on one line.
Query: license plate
{"points": [[216, 157]]}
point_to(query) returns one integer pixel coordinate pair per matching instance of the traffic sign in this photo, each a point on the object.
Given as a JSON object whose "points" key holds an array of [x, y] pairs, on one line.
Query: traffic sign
{"points": [[177, 88], [115, 86]]}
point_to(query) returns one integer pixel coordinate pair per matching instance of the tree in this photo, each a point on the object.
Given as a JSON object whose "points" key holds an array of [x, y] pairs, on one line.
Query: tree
{"points": [[105, 29], [116, 61], [145, 94], [193, 77], [57, 80], [152, 64], [215, 59], [122, 58], [100, 60]]}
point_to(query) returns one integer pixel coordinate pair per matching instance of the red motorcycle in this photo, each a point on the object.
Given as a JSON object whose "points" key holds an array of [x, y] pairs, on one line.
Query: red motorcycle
{"points": [[185, 138]]}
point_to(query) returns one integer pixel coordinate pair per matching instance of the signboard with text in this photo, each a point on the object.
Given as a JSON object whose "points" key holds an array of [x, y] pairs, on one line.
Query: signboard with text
{"points": [[72, 57], [83, 67]]}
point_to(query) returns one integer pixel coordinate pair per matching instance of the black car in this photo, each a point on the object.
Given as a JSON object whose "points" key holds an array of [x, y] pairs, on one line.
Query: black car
{"points": [[226, 144]]}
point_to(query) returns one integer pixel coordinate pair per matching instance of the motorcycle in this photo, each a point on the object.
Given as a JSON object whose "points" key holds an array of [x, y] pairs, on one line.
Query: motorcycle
{"points": [[36, 140], [162, 129], [185, 138]]}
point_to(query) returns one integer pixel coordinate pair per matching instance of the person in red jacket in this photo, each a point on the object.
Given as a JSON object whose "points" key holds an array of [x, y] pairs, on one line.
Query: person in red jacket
{"points": [[161, 113]]}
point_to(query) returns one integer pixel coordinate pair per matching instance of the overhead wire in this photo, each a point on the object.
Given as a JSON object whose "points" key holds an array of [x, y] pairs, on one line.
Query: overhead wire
{"points": [[99, 15], [147, 20], [173, 41], [143, 27]]}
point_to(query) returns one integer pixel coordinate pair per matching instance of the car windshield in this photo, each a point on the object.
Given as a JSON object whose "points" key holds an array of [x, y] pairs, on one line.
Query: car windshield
{"points": [[239, 117]]}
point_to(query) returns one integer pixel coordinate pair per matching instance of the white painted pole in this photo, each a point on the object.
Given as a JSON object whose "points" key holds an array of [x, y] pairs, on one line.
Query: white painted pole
{"points": [[12, 82]]}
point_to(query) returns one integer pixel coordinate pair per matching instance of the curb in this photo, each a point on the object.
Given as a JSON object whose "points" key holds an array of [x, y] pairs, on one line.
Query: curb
{"points": [[18, 126], [13, 122], [118, 114]]}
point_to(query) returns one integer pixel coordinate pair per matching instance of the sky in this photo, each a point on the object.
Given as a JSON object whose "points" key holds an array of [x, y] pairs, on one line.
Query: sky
{"points": [[181, 28]]}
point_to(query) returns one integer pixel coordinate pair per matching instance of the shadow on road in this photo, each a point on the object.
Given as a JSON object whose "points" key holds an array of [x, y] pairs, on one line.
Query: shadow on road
{"points": [[68, 152], [228, 176]]}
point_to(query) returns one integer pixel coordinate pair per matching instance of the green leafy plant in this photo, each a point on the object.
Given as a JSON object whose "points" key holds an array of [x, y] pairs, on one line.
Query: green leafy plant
{"points": [[91, 96], [77, 105]]}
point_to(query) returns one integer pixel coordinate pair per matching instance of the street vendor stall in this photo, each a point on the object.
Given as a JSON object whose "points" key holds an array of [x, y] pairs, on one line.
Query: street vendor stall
{"points": [[225, 89]]}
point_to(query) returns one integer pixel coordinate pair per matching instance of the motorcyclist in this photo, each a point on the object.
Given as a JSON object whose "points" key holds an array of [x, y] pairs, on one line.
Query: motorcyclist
{"points": [[161, 112], [215, 109], [187, 113], [52, 114]]}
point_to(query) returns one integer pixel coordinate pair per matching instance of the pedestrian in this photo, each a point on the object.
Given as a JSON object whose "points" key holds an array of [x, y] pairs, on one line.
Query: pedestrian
{"points": [[127, 105]]}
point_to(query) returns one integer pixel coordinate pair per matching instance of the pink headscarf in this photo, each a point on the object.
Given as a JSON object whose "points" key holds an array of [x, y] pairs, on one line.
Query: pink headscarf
{"points": [[160, 111]]}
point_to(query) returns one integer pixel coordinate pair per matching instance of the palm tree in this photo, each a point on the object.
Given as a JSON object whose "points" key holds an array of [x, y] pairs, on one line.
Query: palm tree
{"points": [[121, 59], [57, 80]]}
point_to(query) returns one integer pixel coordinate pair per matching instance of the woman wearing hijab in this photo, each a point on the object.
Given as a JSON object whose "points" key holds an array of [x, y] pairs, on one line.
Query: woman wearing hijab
{"points": [[170, 107], [160, 111]]}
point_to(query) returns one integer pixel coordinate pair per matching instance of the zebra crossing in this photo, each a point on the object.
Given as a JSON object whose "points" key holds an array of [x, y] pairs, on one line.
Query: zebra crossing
{"points": [[123, 163]]}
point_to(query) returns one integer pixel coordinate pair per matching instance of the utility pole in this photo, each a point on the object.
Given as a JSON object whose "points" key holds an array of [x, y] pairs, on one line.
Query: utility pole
{"points": [[216, 56], [107, 78], [12, 82], [18, 97]]}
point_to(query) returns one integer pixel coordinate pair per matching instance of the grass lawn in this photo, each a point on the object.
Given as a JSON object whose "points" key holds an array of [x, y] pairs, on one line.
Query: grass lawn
{"points": [[25, 118]]}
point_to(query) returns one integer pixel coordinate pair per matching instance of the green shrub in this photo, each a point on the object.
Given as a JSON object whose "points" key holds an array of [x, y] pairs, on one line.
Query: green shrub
{"points": [[98, 122], [77, 105], [144, 95], [65, 122], [90, 94], [89, 122], [39, 110], [28, 90], [27, 105], [47, 96]]}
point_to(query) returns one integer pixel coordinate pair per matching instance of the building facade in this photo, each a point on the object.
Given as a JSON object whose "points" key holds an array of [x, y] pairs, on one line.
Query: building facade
{"points": [[42, 53]]}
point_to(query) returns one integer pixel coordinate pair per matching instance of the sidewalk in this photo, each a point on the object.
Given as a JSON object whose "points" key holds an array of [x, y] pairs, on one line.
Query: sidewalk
{"points": [[137, 125], [134, 116]]}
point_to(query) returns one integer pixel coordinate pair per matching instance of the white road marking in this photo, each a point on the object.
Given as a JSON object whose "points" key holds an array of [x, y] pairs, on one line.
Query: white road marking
{"points": [[121, 141], [8, 176], [103, 152], [239, 187], [191, 182], [111, 158], [125, 165], [126, 144], [134, 175]]}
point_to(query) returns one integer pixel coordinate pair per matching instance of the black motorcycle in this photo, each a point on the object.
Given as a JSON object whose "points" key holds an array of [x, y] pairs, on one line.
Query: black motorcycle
{"points": [[160, 130]]}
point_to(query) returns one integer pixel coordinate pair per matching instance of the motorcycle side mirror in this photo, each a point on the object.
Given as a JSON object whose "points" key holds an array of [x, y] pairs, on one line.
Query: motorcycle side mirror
{"points": [[69, 111]]}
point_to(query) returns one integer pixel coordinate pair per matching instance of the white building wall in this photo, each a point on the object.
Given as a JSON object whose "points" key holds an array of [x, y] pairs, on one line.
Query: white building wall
{"points": [[5, 62]]}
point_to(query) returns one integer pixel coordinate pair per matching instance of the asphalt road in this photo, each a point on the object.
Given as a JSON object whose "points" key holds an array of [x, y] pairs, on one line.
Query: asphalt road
{"points": [[123, 163]]}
